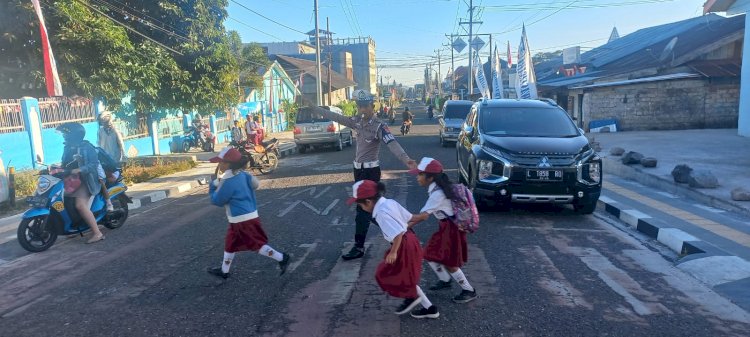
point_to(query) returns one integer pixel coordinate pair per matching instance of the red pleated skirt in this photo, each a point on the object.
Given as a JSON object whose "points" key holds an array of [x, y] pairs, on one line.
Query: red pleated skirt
{"points": [[447, 246], [401, 278], [246, 235]]}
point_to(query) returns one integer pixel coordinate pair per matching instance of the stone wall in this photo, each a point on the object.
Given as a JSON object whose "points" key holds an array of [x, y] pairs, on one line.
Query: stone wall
{"points": [[667, 105]]}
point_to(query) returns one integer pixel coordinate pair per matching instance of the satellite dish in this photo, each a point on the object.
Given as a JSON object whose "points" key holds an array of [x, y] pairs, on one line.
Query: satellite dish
{"points": [[668, 49]]}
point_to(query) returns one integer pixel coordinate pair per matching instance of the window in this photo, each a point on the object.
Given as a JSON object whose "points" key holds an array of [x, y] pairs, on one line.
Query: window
{"points": [[527, 122], [457, 111]]}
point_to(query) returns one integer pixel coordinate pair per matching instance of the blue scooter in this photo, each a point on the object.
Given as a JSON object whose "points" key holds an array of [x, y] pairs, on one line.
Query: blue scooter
{"points": [[52, 213]]}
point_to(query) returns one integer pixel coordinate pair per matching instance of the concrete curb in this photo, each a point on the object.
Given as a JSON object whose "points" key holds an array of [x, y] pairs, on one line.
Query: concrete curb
{"points": [[725, 273], [287, 149], [614, 166]]}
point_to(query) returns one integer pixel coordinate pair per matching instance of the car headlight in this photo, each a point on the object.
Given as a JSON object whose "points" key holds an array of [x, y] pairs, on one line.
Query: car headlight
{"points": [[42, 185], [485, 169], [595, 171]]}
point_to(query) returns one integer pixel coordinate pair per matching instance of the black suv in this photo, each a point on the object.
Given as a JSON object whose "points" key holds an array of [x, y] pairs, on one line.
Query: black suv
{"points": [[527, 151]]}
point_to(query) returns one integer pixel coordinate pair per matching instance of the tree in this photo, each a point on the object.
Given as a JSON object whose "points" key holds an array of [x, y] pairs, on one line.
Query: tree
{"points": [[251, 61]]}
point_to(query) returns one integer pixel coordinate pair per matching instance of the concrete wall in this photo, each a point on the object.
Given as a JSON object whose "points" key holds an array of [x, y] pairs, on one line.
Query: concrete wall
{"points": [[666, 105]]}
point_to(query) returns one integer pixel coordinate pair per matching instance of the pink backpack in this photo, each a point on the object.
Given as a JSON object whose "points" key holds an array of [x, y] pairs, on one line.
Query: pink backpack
{"points": [[465, 213]]}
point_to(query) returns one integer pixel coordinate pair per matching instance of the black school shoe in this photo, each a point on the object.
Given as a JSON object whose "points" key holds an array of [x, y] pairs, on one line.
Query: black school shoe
{"points": [[465, 296], [441, 285], [284, 263], [354, 253], [432, 312], [407, 305], [216, 271]]}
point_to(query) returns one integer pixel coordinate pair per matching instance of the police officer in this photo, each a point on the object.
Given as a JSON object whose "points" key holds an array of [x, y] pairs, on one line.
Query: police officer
{"points": [[371, 132]]}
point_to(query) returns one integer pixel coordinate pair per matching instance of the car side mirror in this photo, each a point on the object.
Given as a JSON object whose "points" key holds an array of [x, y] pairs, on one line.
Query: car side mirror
{"points": [[469, 130]]}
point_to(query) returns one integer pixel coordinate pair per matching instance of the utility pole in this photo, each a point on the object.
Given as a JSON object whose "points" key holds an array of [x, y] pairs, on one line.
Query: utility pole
{"points": [[440, 77], [453, 70], [328, 44], [318, 82], [471, 24]]}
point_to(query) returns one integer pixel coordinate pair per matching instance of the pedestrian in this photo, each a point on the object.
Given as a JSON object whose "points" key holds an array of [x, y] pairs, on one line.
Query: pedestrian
{"points": [[237, 134], [399, 272], [234, 189], [371, 132], [252, 129], [446, 251], [109, 139]]}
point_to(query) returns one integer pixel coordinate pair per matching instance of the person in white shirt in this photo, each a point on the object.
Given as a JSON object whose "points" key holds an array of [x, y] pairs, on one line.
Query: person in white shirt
{"points": [[399, 272], [447, 248]]}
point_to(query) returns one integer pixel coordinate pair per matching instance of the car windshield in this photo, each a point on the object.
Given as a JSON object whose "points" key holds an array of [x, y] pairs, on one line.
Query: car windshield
{"points": [[458, 111], [527, 122], [308, 116]]}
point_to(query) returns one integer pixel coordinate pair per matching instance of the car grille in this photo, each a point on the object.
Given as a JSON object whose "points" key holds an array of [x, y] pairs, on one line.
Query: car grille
{"points": [[533, 160]]}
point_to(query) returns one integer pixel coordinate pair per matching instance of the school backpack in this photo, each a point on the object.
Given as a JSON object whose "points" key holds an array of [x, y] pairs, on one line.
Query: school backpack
{"points": [[108, 164], [465, 213]]}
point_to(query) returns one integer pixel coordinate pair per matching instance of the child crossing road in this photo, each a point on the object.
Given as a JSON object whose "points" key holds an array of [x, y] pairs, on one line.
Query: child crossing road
{"points": [[399, 272], [446, 249], [234, 189]]}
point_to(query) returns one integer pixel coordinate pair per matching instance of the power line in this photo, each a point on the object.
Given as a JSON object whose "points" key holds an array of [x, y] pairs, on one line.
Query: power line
{"points": [[267, 18], [253, 28]]}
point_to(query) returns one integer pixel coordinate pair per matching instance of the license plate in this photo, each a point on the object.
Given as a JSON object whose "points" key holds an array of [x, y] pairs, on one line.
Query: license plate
{"points": [[313, 129], [544, 175]]}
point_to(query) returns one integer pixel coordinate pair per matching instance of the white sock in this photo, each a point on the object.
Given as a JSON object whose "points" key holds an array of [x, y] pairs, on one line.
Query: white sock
{"points": [[266, 250], [425, 301], [462, 281], [228, 257], [440, 271]]}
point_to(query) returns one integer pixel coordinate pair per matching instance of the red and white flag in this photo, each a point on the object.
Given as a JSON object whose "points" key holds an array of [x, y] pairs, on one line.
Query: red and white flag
{"points": [[54, 88]]}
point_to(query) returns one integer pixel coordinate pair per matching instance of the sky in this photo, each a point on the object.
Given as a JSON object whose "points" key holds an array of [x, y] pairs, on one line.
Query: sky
{"points": [[408, 33]]}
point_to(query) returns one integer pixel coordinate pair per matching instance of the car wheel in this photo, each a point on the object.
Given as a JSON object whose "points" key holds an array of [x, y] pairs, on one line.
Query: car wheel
{"points": [[443, 143], [585, 208], [301, 148], [351, 139], [340, 144]]}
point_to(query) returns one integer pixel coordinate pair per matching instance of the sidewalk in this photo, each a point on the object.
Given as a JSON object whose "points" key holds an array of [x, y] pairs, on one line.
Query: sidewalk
{"points": [[177, 183], [720, 151]]}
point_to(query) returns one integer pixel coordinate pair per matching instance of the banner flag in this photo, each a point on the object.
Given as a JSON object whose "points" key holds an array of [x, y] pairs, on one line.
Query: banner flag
{"points": [[54, 88], [525, 78], [479, 76], [497, 76], [510, 61]]}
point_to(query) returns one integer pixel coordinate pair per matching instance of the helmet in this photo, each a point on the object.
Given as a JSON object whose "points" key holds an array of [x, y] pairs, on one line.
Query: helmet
{"points": [[72, 132], [406, 108], [362, 96]]}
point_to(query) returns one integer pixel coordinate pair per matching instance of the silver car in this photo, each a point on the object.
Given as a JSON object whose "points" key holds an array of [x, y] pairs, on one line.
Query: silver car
{"points": [[451, 118], [313, 130]]}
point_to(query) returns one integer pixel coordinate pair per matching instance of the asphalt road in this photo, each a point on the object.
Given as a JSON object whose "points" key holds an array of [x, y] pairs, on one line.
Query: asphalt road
{"points": [[541, 271]]}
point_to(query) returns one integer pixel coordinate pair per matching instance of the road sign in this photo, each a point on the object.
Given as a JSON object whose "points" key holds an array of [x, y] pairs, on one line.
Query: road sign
{"points": [[477, 43], [458, 44]]}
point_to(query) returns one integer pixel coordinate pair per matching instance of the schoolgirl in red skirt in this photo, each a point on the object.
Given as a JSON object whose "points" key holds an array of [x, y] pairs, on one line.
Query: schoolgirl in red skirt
{"points": [[446, 251], [234, 189], [399, 272]]}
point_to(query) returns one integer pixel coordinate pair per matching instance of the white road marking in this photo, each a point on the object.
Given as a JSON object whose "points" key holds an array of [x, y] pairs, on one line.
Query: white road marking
{"points": [[554, 281], [709, 208], [298, 261], [330, 207], [310, 189], [311, 207], [288, 209], [8, 238], [336, 222], [322, 192], [716, 270], [669, 195]]}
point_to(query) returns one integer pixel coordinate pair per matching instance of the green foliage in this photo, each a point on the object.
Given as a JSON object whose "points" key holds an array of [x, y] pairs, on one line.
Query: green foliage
{"points": [[291, 109], [134, 172], [25, 182], [349, 108]]}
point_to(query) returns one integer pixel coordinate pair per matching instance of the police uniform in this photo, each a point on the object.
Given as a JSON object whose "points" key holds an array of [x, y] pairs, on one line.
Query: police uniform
{"points": [[370, 134]]}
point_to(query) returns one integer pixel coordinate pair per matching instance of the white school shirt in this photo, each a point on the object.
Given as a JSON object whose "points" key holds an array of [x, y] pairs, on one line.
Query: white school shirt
{"points": [[437, 203], [391, 217]]}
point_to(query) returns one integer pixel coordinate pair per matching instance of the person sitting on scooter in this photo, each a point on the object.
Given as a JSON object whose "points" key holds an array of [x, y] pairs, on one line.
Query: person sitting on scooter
{"points": [[407, 116], [80, 158]]}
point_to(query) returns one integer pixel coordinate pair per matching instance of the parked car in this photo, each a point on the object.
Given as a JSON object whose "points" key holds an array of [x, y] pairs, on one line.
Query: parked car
{"points": [[451, 118], [527, 151], [312, 130]]}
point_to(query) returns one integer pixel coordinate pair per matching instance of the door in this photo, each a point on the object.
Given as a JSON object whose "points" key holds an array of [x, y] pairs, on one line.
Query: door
{"points": [[465, 141]]}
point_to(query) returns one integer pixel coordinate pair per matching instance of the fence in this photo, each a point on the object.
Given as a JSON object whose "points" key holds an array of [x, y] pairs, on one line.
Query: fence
{"points": [[169, 127], [132, 127], [59, 110], [223, 124], [11, 118]]}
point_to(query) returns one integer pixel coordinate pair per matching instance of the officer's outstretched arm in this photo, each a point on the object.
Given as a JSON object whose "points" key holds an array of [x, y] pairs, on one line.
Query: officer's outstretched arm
{"points": [[395, 147], [341, 119]]}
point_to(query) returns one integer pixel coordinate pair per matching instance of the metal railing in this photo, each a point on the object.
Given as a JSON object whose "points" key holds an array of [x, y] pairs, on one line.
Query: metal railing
{"points": [[130, 128], [169, 127], [223, 123], [11, 118], [59, 110]]}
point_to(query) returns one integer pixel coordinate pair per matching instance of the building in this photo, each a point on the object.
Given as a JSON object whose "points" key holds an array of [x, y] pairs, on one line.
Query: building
{"points": [[284, 48], [267, 103], [362, 51], [680, 75], [304, 72]]}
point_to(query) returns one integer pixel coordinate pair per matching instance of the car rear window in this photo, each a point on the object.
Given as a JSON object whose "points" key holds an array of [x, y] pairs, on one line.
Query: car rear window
{"points": [[308, 116], [527, 122], [457, 111]]}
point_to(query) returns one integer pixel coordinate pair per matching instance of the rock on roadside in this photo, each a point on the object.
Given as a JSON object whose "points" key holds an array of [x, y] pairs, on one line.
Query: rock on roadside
{"points": [[616, 151], [703, 179], [740, 194], [649, 162], [681, 173], [632, 157]]}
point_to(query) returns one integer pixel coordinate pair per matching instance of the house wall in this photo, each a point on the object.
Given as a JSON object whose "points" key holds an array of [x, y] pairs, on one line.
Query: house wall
{"points": [[666, 105]]}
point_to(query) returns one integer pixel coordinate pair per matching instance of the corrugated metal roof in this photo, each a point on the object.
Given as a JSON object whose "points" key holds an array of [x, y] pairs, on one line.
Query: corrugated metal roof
{"points": [[338, 81], [640, 80]]}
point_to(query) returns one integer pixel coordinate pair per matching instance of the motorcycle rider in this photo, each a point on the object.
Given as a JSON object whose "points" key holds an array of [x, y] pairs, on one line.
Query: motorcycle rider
{"points": [[429, 111], [407, 117], [80, 158]]}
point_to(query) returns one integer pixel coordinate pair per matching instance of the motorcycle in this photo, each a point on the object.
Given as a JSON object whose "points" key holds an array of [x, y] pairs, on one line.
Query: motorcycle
{"points": [[52, 213], [405, 127], [199, 137], [430, 113], [263, 158]]}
